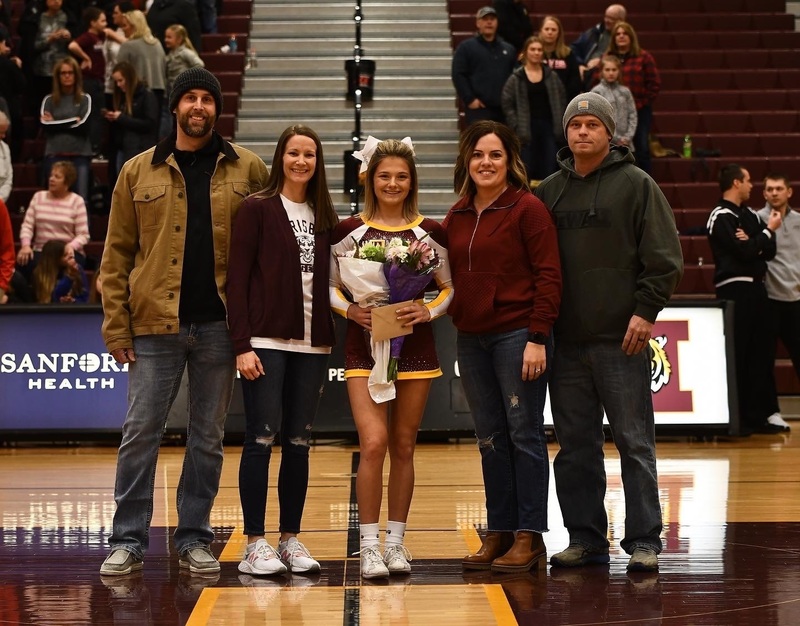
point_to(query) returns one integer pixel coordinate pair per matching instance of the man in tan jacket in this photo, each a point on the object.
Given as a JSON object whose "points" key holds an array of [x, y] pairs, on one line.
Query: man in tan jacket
{"points": [[163, 274]]}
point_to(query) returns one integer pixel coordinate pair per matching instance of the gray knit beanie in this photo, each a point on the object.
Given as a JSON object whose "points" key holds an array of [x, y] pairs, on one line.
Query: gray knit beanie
{"points": [[195, 78], [591, 103]]}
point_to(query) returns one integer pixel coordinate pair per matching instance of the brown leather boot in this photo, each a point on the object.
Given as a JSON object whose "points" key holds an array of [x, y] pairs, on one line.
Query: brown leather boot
{"points": [[495, 544], [527, 552]]}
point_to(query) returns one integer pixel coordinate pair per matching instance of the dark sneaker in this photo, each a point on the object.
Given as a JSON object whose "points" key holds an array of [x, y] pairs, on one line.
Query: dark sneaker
{"points": [[643, 560], [120, 562], [199, 561], [576, 556]]}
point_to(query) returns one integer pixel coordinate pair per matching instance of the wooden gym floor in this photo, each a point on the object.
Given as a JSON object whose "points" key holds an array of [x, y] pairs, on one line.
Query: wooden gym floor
{"points": [[731, 535]]}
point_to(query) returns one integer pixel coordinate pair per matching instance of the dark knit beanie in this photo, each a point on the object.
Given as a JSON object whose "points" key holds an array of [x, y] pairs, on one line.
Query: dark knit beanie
{"points": [[195, 78]]}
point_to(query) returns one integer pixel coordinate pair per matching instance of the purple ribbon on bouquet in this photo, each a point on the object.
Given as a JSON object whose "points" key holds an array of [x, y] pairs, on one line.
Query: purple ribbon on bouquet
{"points": [[404, 284]]}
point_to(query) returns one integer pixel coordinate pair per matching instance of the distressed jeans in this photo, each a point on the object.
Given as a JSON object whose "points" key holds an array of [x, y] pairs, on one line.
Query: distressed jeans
{"points": [[587, 378], [153, 382], [285, 400], [509, 426]]}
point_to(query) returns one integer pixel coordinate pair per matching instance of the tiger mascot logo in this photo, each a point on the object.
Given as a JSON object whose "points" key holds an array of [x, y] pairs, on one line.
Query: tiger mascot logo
{"points": [[660, 368]]}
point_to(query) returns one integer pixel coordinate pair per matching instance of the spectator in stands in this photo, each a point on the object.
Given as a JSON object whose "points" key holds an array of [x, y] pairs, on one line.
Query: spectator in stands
{"points": [[513, 22], [533, 104], [507, 290], [742, 244], [96, 290], [88, 49], [169, 256], [783, 277], [640, 75], [6, 166], [53, 34], [164, 13], [559, 56], [622, 261], [134, 117], [181, 55], [144, 52], [620, 97], [207, 12], [7, 253], [12, 89], [593, 43], [5, 13], [58, 278], [57, 214], [282, 332], [481, 66], [65, 115], [115, 37]]}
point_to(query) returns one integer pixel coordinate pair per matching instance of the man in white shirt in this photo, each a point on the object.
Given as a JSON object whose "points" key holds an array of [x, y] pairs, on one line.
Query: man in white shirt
{"points": [[783, 276]]}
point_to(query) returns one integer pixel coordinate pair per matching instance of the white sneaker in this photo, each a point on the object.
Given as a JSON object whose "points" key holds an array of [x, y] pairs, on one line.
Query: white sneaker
{"points": [[396, 559], [297, 557], [776, 420], [372, 565], [263, 560]]}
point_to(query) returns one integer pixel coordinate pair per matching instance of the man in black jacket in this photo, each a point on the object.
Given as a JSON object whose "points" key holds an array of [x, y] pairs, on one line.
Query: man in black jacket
{"points": [[513, 22], [481, 66], [742, 244], [164, 13], [593, 43]]}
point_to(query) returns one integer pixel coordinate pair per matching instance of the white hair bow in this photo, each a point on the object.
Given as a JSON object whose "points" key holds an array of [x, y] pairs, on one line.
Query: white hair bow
{"points": [[365, 154]]}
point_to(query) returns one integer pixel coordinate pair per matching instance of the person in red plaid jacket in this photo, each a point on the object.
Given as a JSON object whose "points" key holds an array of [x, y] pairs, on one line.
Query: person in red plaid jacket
{"points": [[640, 75]]}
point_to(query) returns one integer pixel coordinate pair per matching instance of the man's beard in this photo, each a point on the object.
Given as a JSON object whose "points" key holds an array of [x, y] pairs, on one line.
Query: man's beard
{"points": [[184, 121]]}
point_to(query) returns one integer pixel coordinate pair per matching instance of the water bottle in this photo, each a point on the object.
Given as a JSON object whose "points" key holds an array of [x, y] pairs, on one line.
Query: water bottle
{"points": [[687, 147], [253, 57], [232, 44]]}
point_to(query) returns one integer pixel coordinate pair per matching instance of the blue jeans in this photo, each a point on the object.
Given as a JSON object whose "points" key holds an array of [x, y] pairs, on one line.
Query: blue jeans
{"points": [[586, 378], [509, 426], [641, 138], [207, 12], [153, 381], [539, 155], [284, 400]]}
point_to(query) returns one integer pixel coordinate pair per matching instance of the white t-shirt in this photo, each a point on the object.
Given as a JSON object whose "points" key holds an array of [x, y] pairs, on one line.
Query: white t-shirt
{"points": [[301, 217]]}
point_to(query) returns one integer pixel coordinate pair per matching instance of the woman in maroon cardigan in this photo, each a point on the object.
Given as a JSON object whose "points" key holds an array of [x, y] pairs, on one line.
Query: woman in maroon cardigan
{"points": [[282, 331], [507, 285]]}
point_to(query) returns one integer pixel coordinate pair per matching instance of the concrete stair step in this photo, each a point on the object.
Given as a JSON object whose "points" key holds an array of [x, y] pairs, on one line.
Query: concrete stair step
{"points": [[339, 106], [374, 10], [326, 85], [343, 46], [370, 28], [251, 128], [327, 66]]}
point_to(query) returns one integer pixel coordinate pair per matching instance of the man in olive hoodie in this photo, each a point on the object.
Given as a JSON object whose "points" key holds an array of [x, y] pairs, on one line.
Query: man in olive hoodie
{"points": [[621, 261]]}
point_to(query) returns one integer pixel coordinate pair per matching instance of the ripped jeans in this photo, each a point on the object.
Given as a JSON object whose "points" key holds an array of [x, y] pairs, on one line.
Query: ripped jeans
{"points": [[508, 417], [284, 400]]}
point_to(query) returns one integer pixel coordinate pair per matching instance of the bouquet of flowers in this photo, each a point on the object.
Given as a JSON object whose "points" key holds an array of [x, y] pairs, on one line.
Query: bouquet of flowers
{"points": [[407, 270], [380, 272]]}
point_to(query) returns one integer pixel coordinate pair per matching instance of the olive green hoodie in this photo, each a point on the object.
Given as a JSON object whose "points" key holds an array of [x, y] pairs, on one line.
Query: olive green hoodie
{"points": [[620, 253]]}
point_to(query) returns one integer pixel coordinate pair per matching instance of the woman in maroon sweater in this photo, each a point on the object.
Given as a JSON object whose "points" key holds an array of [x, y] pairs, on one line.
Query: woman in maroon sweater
{"points": [[282, 331], [507, 285]]}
